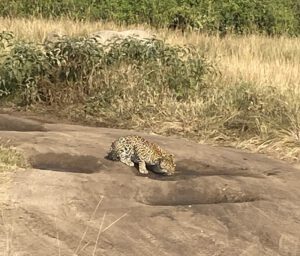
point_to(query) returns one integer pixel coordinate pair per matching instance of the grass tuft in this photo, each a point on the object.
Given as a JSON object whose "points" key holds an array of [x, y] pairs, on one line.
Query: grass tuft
{"points": [[10, 158]]}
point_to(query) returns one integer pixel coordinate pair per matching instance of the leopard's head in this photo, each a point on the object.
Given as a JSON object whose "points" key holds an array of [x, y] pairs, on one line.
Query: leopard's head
{"points": [[167, 164]]}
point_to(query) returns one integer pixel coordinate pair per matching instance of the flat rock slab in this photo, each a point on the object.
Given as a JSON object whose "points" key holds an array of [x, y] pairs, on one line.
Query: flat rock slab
{"points": [[73, 201]]}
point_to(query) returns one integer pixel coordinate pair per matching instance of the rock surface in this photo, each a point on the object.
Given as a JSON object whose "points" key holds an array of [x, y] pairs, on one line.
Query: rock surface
{"points": [[73, 201], [105, 36], [102, 36]]}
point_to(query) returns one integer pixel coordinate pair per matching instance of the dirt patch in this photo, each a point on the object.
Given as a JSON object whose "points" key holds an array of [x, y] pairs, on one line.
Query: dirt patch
{"points": [[76, 202]]}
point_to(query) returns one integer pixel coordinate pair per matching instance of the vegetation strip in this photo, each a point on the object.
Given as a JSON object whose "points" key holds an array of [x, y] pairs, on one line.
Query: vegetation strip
{"points": [[237, 91], [272, 17]]}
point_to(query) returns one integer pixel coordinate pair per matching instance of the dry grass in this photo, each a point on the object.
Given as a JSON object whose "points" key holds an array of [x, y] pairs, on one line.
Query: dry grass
{"points": [[261, 62], [255, 59], [266, 70], [37, 29], [10, 158]]}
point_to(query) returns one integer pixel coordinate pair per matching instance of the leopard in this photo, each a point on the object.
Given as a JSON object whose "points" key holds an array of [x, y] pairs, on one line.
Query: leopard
{"points": [[134, 149]]}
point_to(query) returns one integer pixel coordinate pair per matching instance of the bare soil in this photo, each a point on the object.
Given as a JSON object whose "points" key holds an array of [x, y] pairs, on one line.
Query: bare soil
{"points": [[73, 201]]}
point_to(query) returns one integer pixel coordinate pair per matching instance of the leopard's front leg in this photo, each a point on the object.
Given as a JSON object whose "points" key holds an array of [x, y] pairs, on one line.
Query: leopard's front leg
{"points": [[142, 167], [126, 161]]}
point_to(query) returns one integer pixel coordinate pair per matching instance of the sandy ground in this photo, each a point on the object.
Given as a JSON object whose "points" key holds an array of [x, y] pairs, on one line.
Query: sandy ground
{"points": [[73, 201]]}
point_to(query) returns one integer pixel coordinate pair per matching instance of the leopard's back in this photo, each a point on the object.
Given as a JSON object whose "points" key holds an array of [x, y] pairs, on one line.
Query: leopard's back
{"points": [[147, 151]]}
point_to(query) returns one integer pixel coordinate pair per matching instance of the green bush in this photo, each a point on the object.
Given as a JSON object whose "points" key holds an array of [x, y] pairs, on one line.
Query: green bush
{"points": [[44, 73]]}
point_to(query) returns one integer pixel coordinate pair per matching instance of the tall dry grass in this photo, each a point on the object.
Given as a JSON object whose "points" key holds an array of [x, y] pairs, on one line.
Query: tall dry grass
{"points": [[253, 103], [260, 60]]}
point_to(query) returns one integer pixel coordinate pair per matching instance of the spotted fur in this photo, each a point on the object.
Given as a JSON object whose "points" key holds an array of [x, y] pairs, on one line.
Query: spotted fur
{"points": [[135, 149]]}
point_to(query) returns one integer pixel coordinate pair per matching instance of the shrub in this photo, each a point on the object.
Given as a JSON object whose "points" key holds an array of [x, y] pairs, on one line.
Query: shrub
{"points": [[80, 66]]}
